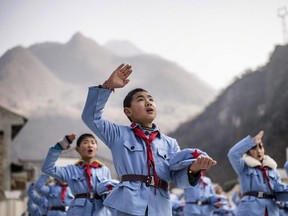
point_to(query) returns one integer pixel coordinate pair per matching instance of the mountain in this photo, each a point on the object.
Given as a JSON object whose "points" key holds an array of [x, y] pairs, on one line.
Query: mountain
{"points": [[256, 101], [48, 82], [78, 61], [123, 48], [25, 82]]}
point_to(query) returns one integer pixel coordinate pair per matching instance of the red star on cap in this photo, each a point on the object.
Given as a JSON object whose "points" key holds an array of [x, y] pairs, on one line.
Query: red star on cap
{"points": [[195, 154]]}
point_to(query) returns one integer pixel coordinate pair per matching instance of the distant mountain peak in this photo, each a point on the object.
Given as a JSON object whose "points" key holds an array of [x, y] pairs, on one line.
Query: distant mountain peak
{"points": [[79, 40], [78, 36], [13, 51], [11, 54], [123, 48]]}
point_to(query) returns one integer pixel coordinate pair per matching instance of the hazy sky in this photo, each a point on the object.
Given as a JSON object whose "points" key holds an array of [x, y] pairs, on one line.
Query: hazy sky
{"points": [[215, 39]]}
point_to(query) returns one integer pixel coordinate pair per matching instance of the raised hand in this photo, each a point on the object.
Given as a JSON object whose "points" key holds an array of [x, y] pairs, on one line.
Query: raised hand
{"points": [[258, 138], [71, 137], [119, 77], [67, 141]]}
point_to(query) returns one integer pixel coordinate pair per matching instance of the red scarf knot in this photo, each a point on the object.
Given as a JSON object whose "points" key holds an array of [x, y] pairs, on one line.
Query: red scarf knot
{"points": [[87, 169]]}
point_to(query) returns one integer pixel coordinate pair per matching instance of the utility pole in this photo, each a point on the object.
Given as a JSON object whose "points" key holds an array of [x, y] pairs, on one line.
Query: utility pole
{"points": [[282, 13]]}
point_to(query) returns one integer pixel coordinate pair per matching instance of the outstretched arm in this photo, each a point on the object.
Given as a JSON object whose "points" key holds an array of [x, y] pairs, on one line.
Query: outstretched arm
{"points": [[106, 131], [49, 167]]}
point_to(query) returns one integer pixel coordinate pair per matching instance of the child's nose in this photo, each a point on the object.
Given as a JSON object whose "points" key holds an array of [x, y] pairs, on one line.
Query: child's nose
{"points": [[148, 102]]}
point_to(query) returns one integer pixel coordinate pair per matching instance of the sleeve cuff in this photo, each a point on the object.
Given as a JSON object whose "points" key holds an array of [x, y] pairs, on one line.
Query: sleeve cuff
{"points": [[193, 177], [58, 147]]}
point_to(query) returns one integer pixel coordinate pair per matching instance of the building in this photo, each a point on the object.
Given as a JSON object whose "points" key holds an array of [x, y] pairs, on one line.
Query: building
{"points": [[10, 125]]}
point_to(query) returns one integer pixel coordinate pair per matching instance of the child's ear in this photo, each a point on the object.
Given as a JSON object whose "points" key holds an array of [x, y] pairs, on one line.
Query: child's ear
{"points": [[77, 149], [127, 112]]}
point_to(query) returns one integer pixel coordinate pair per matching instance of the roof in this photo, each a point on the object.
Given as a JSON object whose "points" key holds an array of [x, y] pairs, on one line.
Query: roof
{"points": [[17, 121]]}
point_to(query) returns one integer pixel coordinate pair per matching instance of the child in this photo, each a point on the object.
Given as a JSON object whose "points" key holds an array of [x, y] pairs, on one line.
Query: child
{"points": [[58, 194], [83, 178], [200, 200], [258, 176], [283, 204], [36, 204], [177, 205], [140, 151], [223, 207]]}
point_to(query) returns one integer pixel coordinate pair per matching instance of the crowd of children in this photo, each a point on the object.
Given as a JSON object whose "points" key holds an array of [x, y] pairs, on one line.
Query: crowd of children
{"points": [[147, 162]]}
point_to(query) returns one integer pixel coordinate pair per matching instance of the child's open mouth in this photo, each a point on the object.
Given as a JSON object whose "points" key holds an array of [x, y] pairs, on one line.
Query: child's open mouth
{"points": [[150, 110]]}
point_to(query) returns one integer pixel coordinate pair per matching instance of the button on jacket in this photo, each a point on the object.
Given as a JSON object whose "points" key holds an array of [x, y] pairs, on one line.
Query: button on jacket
{"points": [[129, 157]]}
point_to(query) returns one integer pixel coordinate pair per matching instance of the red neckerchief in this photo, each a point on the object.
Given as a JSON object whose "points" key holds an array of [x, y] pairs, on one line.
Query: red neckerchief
{"points": [[87, 167], [150, 159], [63, 191], [265, 175]]}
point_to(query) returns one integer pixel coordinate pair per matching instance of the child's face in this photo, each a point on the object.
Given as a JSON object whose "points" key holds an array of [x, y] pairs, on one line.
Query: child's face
{"points": [[87, 148], [143, 109], [257, 152]]}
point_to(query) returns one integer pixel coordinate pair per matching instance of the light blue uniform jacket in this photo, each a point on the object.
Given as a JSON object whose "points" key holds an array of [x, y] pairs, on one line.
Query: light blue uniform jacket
{"points": [[33, 196], [33, 209], [199, 193], [251, 179], [129, 157], [74, 176], [225, 209], [284, 205], [40, 201], [53, 195]]}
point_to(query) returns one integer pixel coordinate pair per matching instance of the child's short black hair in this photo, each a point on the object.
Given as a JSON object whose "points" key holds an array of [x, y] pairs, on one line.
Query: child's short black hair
{"points": [[83, 136], [128, 99]]}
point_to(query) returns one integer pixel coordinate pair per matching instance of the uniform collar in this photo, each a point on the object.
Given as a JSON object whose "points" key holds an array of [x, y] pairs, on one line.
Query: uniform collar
{"points": [[252, 162], [154, 128], [81, 163]]}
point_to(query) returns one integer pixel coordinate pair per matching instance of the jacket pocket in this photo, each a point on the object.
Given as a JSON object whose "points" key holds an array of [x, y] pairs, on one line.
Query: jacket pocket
{"points": [[163, 153], [133, 146]]}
